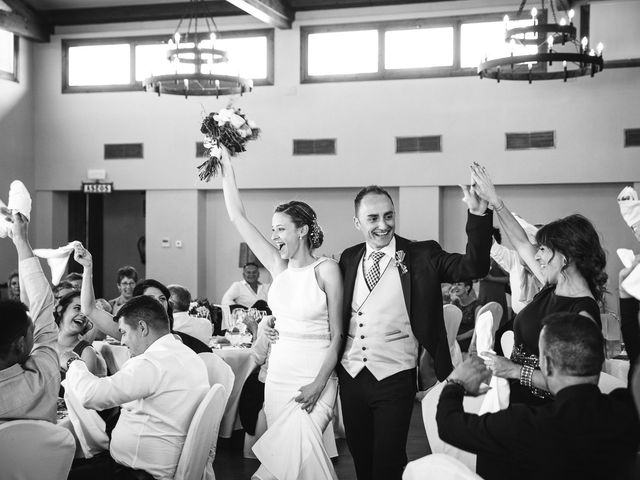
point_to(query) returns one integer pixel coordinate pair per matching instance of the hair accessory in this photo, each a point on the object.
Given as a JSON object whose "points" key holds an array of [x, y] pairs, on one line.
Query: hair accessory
{"points": [[314, 234]]}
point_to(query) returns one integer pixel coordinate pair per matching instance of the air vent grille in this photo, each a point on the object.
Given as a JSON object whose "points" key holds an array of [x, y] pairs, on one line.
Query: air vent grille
{"points": [[431, 143], [115, 151], [531, 140], [320, 146], [632, 137]]}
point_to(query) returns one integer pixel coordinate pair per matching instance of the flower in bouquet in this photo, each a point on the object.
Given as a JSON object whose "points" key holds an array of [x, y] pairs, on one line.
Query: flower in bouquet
{"points": [[230, 128]]}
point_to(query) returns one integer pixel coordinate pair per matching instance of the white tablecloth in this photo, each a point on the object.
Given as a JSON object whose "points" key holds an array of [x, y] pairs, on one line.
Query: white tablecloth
{"points": [[242, 363]]}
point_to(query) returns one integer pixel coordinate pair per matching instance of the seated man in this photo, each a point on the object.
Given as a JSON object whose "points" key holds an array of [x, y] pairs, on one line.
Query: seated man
{"points": [[159, 390], [248, 291], [127, 279], [197, 327], [29, 372], [581, 434]]}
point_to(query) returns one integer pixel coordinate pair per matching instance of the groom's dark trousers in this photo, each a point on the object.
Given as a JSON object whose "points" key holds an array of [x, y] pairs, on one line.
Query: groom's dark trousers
{"points": [[377, 416]]}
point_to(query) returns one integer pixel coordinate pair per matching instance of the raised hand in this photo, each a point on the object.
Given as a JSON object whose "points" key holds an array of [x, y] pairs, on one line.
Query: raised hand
{"points": [[82, 256], [483, 185], [19, 231], [501, 366], [475, 204]]}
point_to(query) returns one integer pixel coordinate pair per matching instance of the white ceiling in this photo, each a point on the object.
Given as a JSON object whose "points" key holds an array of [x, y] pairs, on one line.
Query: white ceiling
{"points": [[66, 4]]}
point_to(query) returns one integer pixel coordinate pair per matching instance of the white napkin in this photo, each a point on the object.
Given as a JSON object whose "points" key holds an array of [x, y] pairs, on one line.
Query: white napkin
{"points": [[56, 259], [89, 428], [631, 284], [497, 398], [626, 256], [629, 206], [19, 201]]}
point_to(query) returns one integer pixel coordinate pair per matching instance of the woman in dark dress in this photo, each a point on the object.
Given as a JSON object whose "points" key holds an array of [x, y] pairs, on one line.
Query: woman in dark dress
{"points": [[569, 260]]}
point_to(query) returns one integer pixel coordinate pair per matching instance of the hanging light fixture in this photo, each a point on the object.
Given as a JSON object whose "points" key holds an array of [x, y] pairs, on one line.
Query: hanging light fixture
{"points": [[193, 59], [559, 55]]}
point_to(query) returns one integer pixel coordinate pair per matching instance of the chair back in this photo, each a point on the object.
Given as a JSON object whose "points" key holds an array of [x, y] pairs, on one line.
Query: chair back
{"points": [[199, 448], [219, 371], [506, 342], [608, 383], [34, 450], [440, 466], [496, 312], [452, 318]]}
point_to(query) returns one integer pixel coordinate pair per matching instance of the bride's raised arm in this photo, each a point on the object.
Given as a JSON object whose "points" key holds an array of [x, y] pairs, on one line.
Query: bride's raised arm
{"points": [[266, 252]]}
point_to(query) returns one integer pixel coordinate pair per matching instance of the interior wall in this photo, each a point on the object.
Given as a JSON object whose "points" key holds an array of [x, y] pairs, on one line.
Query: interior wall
{"points": [[545, 203], [17, 144], [124, 224]]}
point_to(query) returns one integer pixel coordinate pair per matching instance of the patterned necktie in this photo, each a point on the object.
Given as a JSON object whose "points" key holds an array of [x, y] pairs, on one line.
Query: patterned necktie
{"points": [[373, 275]]}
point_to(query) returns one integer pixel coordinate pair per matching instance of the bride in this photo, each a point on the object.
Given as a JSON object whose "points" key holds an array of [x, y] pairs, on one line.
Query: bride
{"points": [[306, 300]]}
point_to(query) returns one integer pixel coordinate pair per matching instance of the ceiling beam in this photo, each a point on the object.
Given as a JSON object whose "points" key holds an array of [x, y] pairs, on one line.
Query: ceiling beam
{"points": [[24, 21], [272, 12], [311, 5], [142, 13]]}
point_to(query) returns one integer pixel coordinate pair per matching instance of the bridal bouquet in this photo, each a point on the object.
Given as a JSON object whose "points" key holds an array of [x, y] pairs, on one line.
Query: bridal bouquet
{"points": [[228, 127]]}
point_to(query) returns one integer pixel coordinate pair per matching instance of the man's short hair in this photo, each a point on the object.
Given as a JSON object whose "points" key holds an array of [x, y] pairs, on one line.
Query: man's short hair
{"points": [[180, 298], [250, 264], [144, 308], [574, 343], [73, 276], [127, 272], [14, 323], [370, 189], [63, 285]]}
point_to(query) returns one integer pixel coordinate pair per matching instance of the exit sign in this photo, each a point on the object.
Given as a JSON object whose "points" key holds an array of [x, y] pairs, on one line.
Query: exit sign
{"points": [[97, 187]]}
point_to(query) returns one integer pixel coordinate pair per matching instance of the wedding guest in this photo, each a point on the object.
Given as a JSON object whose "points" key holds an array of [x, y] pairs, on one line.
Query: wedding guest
{"points": [[493, 287], [393, 304], [464, 297], [72, 326], [197, 327], [569, 260], [249, 290], [127, 278], [13, 286], [61, 289], [29, 372], [75, 279], [159, 390], [581, 433]]}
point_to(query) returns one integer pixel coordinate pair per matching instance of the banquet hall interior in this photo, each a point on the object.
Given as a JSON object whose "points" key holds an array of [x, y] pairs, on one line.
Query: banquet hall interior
{"points": [[104, 131]]}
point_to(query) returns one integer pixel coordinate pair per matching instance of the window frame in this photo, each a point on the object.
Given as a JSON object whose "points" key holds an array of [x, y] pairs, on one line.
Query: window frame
{"points": [[134, 41], [455, 70], [13, 76]]}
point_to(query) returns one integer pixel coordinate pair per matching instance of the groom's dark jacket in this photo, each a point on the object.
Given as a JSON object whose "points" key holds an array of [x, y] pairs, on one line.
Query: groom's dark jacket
{"points": [[428, 265]]}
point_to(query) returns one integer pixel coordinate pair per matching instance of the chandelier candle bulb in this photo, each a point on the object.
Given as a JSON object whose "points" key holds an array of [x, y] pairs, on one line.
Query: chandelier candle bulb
{"points": [[506, 22], [564, 68], [534, 15], [600, 48], [571, 13]]}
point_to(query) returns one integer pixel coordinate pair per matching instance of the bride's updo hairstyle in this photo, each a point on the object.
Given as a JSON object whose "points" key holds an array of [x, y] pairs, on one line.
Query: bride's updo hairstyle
{"points": [[302, 214]]}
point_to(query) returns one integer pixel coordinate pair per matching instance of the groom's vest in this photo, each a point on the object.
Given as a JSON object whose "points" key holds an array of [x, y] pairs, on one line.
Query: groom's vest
{"points": [[380, 336]]}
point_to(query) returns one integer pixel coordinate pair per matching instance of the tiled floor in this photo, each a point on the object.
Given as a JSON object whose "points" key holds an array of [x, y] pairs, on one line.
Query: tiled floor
{"points": [[230, 464]]}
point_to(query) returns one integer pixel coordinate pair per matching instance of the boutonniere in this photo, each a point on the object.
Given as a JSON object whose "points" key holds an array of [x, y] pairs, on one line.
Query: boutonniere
{"points": [[398, 260]]}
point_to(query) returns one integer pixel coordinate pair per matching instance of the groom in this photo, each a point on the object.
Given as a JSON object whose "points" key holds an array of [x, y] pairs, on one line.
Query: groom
{"points": [[393, 304]]}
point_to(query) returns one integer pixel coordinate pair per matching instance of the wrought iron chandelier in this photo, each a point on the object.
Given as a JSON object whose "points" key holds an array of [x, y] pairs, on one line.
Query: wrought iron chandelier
{"points": [[193, 58], [559, 55]]}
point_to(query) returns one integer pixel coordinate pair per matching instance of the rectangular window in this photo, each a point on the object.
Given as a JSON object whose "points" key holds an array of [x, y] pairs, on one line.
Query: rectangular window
{"points": [[420, 48], [8, 55], [122, 64]]}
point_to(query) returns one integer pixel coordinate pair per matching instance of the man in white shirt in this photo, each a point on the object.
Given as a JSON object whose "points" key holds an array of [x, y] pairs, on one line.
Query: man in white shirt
{"points": [[159, 390], [197, 327], [248, 291]]}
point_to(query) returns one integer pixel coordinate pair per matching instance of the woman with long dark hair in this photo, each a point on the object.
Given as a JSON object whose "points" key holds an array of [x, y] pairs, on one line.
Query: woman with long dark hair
{"points": [[570, 262]]}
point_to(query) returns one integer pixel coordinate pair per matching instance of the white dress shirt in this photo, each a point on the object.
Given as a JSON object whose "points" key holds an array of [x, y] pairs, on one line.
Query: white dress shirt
{"points": [[159, 392], [361, 291], [242, 294], [197, 327]]}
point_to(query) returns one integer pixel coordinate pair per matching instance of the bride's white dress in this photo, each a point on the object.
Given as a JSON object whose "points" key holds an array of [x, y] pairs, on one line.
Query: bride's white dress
{"points": [[292, 448]]}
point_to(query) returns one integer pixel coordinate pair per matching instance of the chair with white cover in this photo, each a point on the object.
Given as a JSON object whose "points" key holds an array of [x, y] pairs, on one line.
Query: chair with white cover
{"points": [[35, 450], [506, 342], [219, 371], [496, 311], [438, 466], [452, 318], [199, 450], [607, 383]]}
